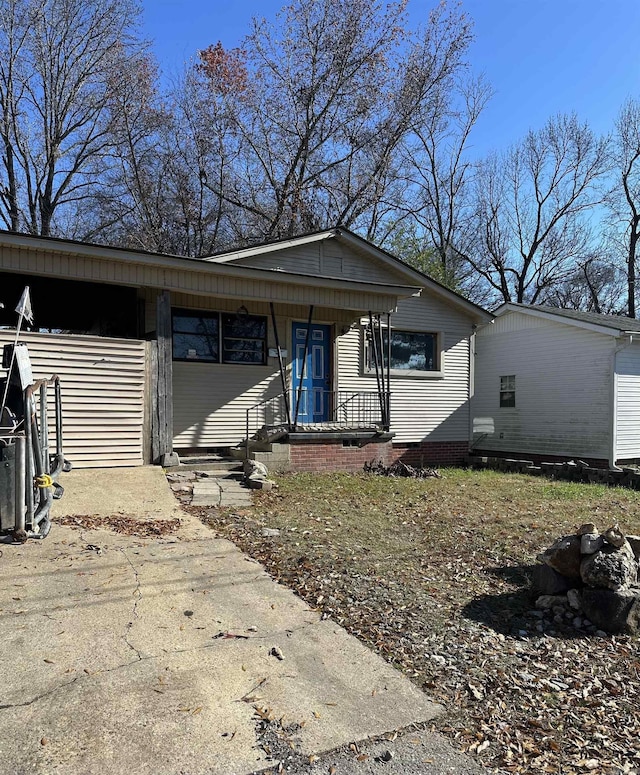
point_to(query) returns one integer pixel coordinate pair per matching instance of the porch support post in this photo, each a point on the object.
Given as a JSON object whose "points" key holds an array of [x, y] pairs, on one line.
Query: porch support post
{"points": [[388, 371], [304, 363], [385, 420], [162, 390], [377, 363], [283, 376]]}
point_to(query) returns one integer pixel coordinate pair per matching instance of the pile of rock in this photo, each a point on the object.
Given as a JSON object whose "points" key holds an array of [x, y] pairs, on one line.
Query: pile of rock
{"points": [[256, 475], [593, 577]]}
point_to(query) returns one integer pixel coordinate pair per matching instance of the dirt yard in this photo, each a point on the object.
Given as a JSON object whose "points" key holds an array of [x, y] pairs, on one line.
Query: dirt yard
{"points": [[433, 575]]}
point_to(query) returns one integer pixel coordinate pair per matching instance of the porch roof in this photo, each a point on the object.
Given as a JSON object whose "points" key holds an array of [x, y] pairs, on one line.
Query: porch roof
{"points": [[67, 259]]}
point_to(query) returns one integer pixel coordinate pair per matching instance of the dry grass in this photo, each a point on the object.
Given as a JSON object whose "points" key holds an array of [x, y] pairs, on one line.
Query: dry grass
{"points": [[433, 575]]}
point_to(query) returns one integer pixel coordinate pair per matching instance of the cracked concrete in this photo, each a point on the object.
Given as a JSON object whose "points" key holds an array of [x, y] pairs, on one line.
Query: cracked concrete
{"points": [[150, 656]]}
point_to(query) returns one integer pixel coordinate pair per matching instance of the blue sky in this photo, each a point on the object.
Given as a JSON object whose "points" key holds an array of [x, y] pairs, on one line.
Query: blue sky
{"points": [[541, 56]]}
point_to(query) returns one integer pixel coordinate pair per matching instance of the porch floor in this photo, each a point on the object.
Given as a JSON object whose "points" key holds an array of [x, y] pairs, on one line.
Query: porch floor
{"points": [[322, 427]]}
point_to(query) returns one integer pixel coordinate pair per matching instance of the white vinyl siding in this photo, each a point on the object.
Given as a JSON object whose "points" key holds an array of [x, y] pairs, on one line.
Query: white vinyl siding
{"points": [[210, 401], [102, 385], [328, 259], [422, 408], [628, 403], [563, 377], [191, 277]]}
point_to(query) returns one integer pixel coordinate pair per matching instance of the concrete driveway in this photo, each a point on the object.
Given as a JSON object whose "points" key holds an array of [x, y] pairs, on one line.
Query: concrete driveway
{"points": [[171, 655]]}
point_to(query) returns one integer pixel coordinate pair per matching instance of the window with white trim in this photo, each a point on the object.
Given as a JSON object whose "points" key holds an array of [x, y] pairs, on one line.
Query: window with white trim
{"points": [[412, 352], [508, 391], [214, 337]]}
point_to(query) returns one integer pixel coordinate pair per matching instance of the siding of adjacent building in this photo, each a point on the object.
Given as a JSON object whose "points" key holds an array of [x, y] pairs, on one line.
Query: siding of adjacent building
{"points": [[628, 403], [423, 408], [102, 385], [563, 376]]}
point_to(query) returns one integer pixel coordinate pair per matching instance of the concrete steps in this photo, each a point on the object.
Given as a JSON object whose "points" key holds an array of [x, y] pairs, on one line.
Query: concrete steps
{"points": [[214, 465]]}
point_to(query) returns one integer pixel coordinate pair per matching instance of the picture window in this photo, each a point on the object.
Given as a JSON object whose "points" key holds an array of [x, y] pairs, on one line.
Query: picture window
{"points": [[414, 351]]}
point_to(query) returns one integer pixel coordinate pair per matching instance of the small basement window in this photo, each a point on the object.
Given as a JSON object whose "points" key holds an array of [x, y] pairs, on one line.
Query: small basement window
{"points": [[508, 391], [212, 337]]}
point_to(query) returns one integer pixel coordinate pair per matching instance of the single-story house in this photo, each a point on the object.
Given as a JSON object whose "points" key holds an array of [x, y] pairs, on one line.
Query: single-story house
{"points": [[555, 384], [285, 343]]}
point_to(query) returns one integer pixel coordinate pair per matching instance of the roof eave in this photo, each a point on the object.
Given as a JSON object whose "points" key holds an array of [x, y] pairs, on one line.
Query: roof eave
{"points": [[599, 329], [183, 263]]}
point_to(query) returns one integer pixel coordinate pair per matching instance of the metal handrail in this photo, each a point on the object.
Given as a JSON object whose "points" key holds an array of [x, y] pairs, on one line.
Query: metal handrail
{"points": [[365, 409]]}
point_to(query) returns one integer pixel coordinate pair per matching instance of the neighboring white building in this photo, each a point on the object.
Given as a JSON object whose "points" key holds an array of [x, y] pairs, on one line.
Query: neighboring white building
{"points": [[553, 383], [159, 353]]}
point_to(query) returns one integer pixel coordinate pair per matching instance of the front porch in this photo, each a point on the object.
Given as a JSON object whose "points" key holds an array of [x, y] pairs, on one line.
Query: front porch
{"points": [[343, 413]]}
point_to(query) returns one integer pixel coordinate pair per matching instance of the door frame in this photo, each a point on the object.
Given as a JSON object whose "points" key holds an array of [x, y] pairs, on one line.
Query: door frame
{"points": [[330, 359]]}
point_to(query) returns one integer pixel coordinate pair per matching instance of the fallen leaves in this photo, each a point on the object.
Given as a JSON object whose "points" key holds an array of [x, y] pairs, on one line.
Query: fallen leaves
{"points": [[122, 524], [432, 574]]}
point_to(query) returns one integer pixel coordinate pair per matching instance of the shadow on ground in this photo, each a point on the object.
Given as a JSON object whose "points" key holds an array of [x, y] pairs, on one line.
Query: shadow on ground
{"points": [[513, 612]]}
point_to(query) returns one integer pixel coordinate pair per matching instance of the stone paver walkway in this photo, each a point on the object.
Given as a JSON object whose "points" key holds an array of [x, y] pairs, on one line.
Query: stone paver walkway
{"points": [[222, 491]]}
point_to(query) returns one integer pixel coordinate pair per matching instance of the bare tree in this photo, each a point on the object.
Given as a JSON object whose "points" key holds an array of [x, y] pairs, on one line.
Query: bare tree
{"points": [[596, 284], [440, 178], [531, 204], [306, 119], [59, 62], [624, 198]]}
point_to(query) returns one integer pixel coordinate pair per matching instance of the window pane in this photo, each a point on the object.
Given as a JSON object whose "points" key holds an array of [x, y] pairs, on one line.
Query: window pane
{"points": [[411, 351], [196, 336], [195, 347], [195, 324], [244, 326], [244, 339], [507, 398], [508, 383]]}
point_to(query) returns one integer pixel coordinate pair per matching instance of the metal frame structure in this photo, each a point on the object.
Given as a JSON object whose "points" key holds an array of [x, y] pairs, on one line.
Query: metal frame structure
{"points": [[36, 468]]}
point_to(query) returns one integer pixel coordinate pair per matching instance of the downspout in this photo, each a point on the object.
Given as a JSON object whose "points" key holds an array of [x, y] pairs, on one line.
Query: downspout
{"points": [[472, 376], [614, 395]]}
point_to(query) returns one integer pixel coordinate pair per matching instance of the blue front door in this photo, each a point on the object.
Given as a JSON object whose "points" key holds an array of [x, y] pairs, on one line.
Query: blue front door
{"points": [[315, 398]]}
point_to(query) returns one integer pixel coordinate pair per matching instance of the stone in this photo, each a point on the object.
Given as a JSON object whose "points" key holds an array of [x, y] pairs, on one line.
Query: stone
{"points": [[587, 528], [255, 468], [590, 543], [634, 543], [260, 484], [178, 487], [169, 459], [610, 568], [546, 602], [547, 581], [613, 611], [270, 532], [182, 476], [614, 536], [564, 556], [277, 653], [574, 600]]}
